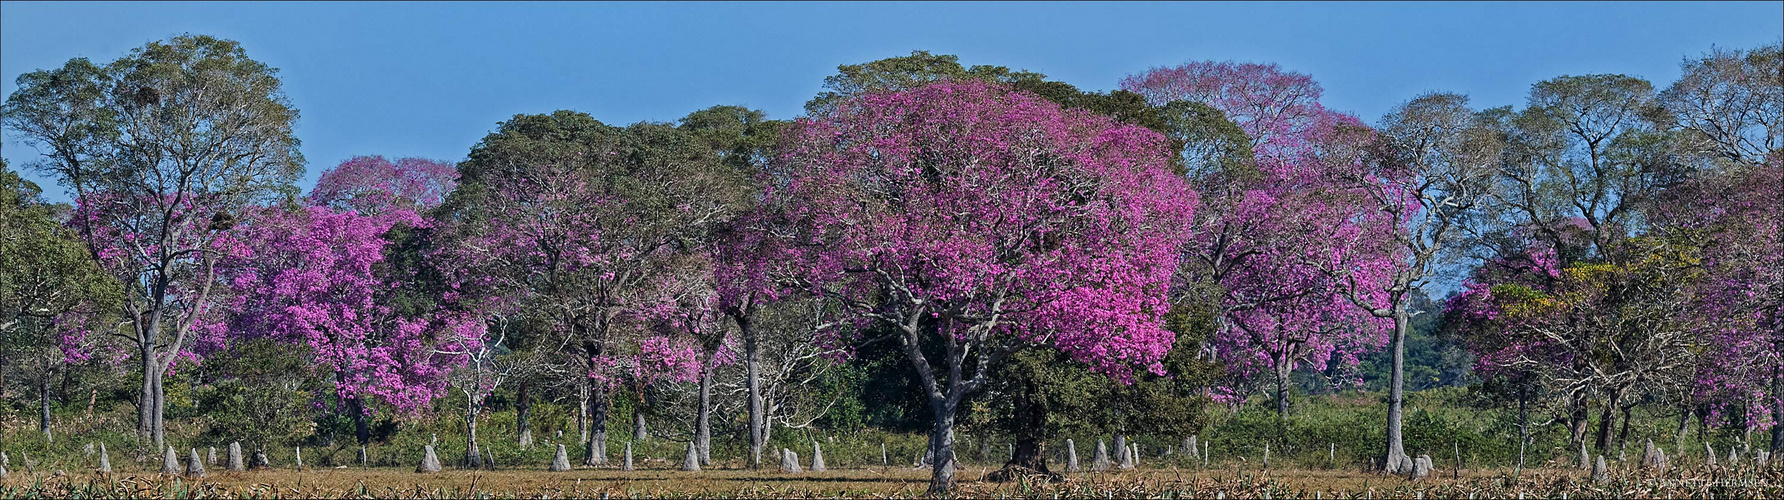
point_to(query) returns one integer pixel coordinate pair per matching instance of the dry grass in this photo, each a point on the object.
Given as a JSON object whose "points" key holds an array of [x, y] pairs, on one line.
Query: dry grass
{"points": [[896, 482]]}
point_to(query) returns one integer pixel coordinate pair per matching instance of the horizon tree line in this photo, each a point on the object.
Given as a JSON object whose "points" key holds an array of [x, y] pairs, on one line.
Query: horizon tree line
{"points": [[1196, 237]]}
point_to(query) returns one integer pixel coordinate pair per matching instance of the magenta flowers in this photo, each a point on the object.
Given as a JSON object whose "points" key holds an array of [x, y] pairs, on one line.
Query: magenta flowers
{"points": [[987, 220]]}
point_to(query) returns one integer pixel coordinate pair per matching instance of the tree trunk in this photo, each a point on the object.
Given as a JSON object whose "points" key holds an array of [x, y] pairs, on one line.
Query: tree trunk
{"points": [[1396, 449], [1684, 426], [473, 457], [597, 441], [1282, 372], [1605, 421], [752, 367], [703, 418], [1031, 455], [158, 417], [596, 450], [1623, 430], [1579, 420], [43, 398], [145, 408], [767, 423], [945, 394], [941, 439], [362, 430], [1523, 420], [523, 405], [582, 397]]}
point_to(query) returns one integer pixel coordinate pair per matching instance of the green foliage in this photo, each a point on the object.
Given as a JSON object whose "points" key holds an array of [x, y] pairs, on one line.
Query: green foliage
{"points": [[48, 286], [905, 72], [1437, 420], [260, 397], [849, 412], [1435, 357], [1516, 293], [891, 396], [743, 138], [45, 271], [1210, 147]]}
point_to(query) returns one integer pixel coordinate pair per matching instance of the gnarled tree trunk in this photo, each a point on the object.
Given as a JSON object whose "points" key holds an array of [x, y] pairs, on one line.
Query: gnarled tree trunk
{"points": [[473, 456], [1606, 420], [1283, 368], [941, 439]]}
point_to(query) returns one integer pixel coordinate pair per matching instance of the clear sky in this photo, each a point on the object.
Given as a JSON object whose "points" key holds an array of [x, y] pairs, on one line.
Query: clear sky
{"points": [[430, 79]]}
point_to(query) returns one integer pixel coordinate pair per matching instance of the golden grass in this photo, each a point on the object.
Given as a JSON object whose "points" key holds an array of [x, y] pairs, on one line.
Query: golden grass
{"points": [[876, 482]]}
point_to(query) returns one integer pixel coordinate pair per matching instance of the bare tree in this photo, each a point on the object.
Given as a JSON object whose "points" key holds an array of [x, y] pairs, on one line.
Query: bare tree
{"points": [[1731, 103]]}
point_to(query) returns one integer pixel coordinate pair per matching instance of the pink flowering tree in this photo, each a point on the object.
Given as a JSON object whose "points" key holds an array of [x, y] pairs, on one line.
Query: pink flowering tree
{"points": [[1276, 108], [1738, 304], [315, 277], [1271, 208], [987, 221], [372, 185], [1281, 312], [691, 340]]}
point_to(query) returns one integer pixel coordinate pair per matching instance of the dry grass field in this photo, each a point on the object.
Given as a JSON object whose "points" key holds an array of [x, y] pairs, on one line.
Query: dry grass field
{"points": [[895, 482]]}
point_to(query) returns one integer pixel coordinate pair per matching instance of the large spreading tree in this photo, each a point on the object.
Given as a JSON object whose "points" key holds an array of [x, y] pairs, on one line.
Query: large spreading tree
{"points": [[318, 278], [162, 150], [986, 220]]}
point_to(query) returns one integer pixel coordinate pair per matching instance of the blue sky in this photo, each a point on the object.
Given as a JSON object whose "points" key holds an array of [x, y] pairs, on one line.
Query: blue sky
{"points": [[430, 79]]}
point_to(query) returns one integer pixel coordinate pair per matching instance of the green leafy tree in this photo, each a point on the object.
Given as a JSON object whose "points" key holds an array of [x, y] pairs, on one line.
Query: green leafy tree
{"points": [[48, 285], [906, 72], [259, 393], [162, 149], [1580, 165]]}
